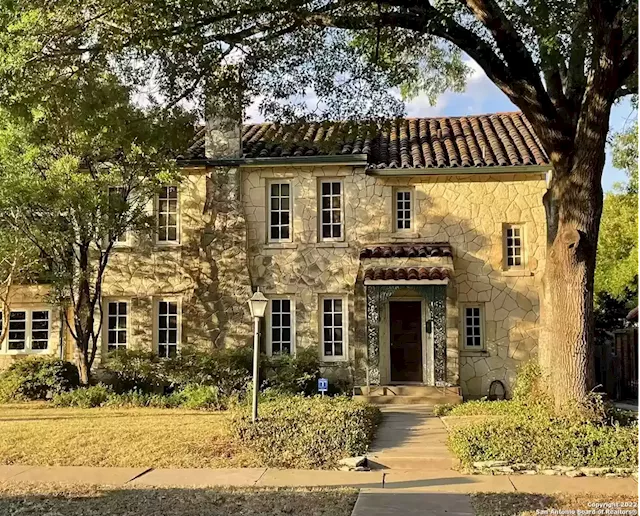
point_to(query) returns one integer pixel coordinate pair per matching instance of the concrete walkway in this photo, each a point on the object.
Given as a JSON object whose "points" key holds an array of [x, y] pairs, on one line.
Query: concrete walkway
{"points": [[411, 437], [396, 481]]}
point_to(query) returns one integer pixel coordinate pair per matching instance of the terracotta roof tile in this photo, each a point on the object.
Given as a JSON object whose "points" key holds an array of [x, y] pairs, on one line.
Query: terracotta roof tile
{"points": [[406, 251], [407, 273], [504, 139]]}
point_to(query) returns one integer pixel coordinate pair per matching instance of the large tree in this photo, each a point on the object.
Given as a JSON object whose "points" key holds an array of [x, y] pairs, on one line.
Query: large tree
{"points": [[562, 62], [77, 172]]}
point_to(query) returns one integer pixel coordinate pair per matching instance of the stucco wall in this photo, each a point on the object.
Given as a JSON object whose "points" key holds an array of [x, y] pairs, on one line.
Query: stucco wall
{"points": [[468, 211]]}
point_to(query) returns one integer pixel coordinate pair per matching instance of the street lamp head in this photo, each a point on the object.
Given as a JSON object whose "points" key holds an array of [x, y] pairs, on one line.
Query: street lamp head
{"points": [[258, 304]]}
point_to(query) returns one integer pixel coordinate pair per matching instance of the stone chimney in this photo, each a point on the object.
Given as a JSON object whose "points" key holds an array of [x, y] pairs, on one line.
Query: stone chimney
{"points": [[223, 137]]}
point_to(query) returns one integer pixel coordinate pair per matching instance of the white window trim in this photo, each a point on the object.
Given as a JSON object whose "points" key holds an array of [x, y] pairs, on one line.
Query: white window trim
{"points": [[411, 228], [292, 300], [523, 245], [280, 182], [105, 321], [4, 346], [156, 313], [345, 327], [463, 321], [156, 201], [342, 200]]}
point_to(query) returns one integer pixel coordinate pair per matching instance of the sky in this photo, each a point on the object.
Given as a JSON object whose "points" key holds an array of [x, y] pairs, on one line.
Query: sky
{"points": [[482, 96]]}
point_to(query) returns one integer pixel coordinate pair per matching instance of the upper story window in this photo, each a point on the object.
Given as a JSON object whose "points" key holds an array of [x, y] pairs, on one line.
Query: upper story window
{"points": [[168, 215], [117, 325], [280, 211], [331, 210], [513, 246], [281, 332], [28, 330], [473, 327], [403, 209], [333, 328], [168, 334], [117, 205]]}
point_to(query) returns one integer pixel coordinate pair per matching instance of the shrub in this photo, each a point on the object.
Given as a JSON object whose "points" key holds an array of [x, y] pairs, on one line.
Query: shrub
{"points": [[301, 432], [292, 374], [227, 369], [131, 369], [197, 397], [84, 397], [546, 442], [35, 378], [528, 386]]}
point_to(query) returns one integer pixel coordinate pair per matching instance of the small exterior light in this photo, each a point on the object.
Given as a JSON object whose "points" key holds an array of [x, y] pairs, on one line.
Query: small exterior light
{"points": [[258, 304]]}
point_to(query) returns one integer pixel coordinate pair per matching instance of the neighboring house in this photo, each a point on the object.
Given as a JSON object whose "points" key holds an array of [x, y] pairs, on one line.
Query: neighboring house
{"points": [[407, 253]]}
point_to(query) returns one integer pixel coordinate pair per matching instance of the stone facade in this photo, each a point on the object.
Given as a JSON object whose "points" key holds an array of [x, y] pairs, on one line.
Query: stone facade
{"points": [[224, 253], [468, 211]]}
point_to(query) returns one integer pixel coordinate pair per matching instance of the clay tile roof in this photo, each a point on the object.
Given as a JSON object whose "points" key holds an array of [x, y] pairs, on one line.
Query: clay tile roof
{"points": [[501, 139], [407, 273], [406, 251]]}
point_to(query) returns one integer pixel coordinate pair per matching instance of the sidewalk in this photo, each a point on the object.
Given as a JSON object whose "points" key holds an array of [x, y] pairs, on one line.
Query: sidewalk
{"points": [[371, 482]]}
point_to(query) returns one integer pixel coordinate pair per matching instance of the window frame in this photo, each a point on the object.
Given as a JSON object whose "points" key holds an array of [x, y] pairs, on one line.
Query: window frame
{"points": [[28, 343], [156, 326], [505, 252], [157, 198], [321, 238], [268, 193], [105, 323], [482, 326], [345, 327], [410, 191], [269, 325]]}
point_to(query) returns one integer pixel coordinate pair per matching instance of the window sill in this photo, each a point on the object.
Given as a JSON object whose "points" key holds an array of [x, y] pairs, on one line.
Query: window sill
{"points": [[514, 273], [26, 352], [333, 362], [280, 245], [473, 353], [167, 246], [404, 236], [332, 244]]}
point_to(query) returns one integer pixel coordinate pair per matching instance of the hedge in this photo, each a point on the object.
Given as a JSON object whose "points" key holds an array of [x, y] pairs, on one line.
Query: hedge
{"points": [[546, 442], [299, 432]]}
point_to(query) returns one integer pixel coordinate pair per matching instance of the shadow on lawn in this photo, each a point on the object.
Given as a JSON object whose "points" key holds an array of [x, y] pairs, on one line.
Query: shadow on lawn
{"points": [[68, 500], [102, 413]]}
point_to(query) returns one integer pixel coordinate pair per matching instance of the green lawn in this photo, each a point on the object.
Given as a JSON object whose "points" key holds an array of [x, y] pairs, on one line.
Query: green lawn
{"points": [[59, 499], [36, 435]]}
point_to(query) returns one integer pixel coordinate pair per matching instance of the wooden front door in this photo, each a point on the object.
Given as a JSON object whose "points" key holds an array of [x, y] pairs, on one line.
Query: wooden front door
{"points": [[405, 340]]}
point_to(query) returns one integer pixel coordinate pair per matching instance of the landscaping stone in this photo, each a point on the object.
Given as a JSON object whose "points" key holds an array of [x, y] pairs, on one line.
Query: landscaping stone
{"points": [[563, 469], [574, 473], [549, 472], [490, 464], [594, 472], [353, 462]]}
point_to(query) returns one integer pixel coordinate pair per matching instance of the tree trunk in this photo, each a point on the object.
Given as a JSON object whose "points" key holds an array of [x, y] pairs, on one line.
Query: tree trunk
{"points": [[83, 366], [574, 207]]}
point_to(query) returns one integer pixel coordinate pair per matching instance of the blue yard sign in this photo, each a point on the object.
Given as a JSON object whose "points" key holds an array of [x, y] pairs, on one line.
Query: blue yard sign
{"points": [[323, 385]]}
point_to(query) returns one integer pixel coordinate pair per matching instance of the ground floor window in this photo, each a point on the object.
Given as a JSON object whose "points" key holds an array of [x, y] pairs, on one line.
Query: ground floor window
{"points": [[28, 330], [333, 328], [473, 327], [117, 325], [281, 327], [168, 335]]}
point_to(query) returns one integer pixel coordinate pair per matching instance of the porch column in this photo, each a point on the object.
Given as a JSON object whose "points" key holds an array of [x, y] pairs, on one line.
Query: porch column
{"points": [[438, 305]]}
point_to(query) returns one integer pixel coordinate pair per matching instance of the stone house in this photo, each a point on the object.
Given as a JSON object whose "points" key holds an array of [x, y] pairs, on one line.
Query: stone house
{"points": [[407, 253]]}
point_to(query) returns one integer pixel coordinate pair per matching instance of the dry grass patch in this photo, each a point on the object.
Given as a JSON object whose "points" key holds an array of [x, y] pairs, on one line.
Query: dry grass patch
{"points": [[58, 499], [160, 438], [526, 504]]}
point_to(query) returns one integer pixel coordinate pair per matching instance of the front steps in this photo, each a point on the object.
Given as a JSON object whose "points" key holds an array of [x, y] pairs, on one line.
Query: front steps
{"points": [[408, 395]]}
